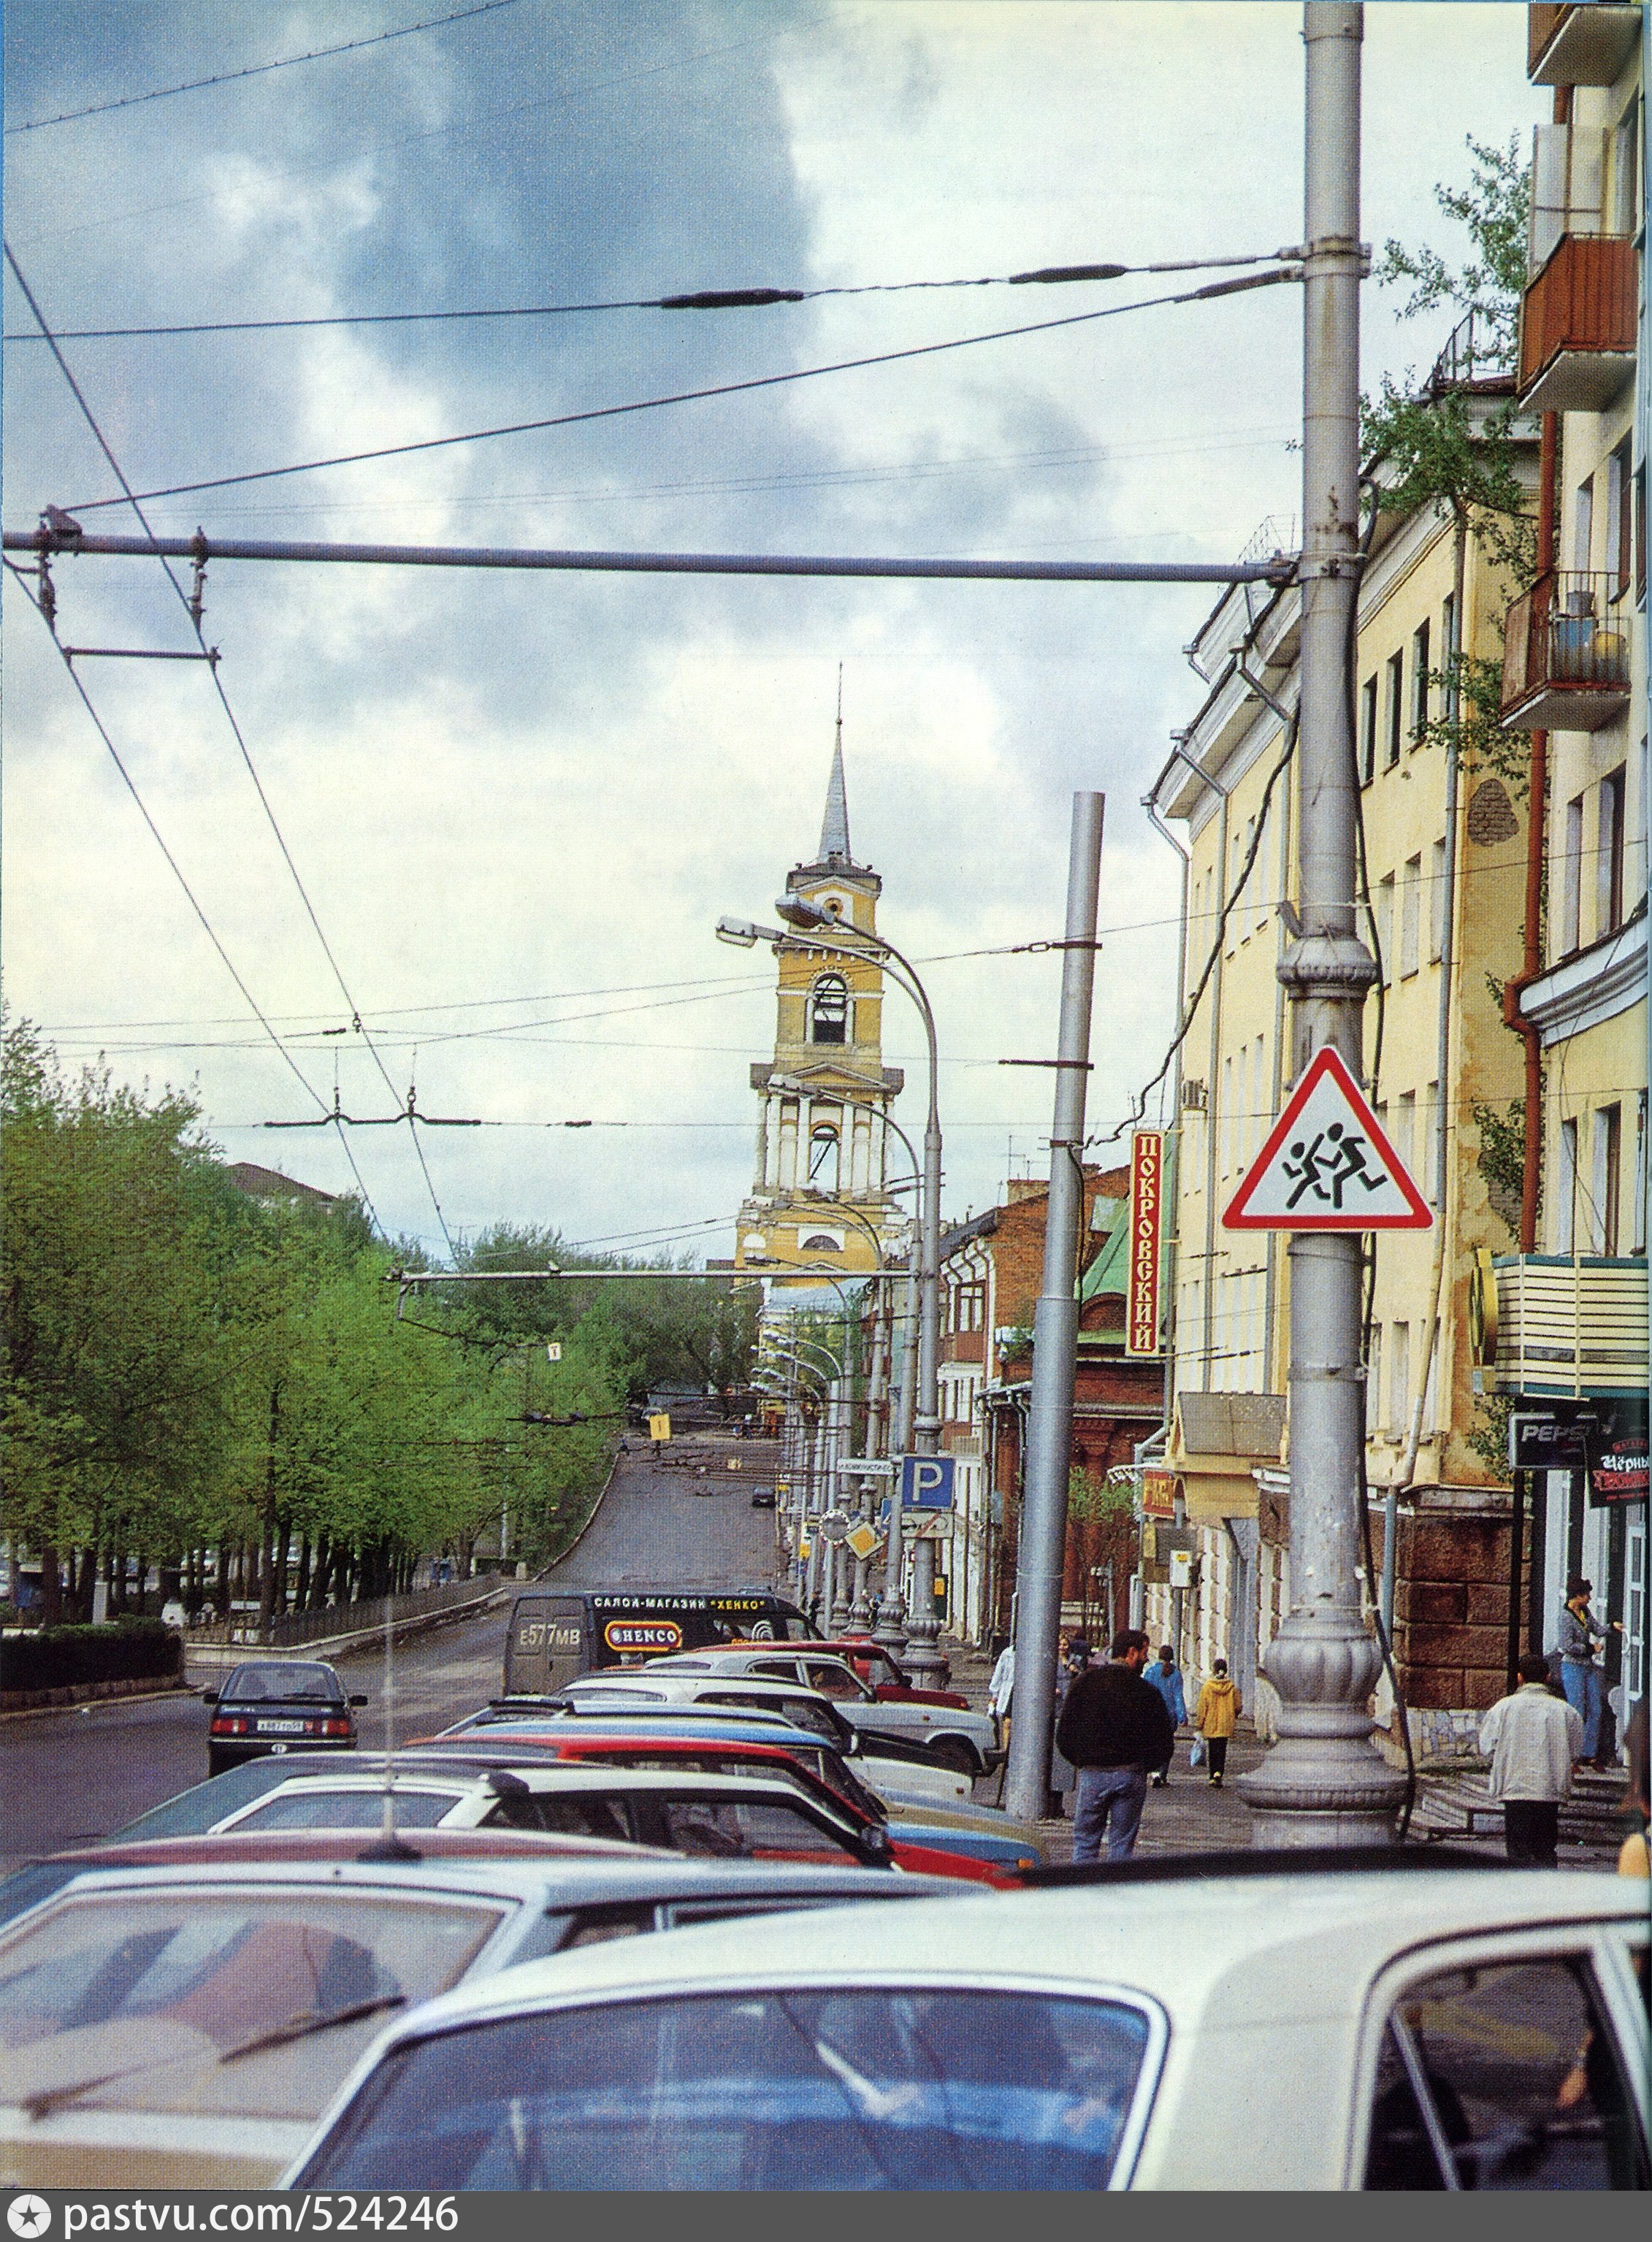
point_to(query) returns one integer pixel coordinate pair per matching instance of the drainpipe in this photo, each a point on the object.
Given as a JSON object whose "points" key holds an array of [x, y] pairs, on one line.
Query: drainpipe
{"points": [[1205, 778], [1270, 1295], [1536, 842], [1408, 1472], [1172, 1186]]}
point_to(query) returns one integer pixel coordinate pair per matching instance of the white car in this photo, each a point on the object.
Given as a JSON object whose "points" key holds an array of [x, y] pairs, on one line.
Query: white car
{"points": [[964, 1739], [887, 1770], [1228, 2024]]}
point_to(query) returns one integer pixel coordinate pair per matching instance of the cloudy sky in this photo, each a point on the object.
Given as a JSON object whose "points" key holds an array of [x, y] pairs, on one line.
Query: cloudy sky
{"points": [[517, 805]]}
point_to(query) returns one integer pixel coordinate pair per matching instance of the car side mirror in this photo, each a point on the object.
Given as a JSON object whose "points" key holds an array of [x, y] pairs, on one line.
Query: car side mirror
{"points": [[359, 1699], [209, 1696]]}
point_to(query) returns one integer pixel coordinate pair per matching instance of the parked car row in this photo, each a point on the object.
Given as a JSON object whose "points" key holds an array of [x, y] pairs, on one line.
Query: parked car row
{"points": [[621, 1934]]}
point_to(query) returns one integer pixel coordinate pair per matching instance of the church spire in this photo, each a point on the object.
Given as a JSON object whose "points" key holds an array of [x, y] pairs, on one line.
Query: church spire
{"points": [[834, 832]]}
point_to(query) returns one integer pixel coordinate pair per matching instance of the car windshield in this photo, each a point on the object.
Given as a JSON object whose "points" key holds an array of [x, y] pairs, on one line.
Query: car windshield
{"points": [[313, 1807], [252, 1685], [861, 2087], [139, 2001], [205, 1804]]}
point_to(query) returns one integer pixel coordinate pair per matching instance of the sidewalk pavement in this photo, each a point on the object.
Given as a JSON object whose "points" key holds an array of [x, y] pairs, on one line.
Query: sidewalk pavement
{"points": [[1190, 1816]]}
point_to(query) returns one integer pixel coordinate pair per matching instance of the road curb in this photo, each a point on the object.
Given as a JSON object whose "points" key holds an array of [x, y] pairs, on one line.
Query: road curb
{"points": [[94, 1704]]}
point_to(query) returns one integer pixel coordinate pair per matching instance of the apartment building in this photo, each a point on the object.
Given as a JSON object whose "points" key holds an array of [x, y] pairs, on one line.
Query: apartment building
{"points": [[1570, 1303], [1444, 856]]}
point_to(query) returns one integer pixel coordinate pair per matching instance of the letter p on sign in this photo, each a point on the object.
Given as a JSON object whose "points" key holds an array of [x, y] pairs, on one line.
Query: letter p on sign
{"points": [[926, 1482]]}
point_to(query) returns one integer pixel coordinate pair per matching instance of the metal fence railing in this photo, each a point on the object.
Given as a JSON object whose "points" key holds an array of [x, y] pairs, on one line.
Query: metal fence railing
{"points": [[289, 1629]]}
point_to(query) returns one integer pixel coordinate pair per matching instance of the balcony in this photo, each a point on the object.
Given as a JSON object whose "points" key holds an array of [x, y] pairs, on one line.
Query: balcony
{"points": [[1566, 658], [1578, 46], [1577, 325], [1565, 1325]]}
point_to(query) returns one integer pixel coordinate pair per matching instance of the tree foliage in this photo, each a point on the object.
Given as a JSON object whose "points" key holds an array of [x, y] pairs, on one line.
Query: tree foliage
{"points": [[221, 1384]]}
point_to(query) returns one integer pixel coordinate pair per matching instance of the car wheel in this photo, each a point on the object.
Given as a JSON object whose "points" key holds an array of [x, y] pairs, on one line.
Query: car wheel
{"points": [[959, 1754]]}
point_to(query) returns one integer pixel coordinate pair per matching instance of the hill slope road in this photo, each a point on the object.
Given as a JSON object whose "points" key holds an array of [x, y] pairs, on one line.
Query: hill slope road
{"points": [[73, 1777]]}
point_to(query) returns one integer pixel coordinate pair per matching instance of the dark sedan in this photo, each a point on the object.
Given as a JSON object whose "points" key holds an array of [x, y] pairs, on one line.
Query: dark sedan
{"points": [[277, 1705]]}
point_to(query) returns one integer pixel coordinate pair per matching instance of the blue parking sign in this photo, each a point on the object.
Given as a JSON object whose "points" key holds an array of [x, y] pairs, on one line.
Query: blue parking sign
{"points": [[926, 1482]]}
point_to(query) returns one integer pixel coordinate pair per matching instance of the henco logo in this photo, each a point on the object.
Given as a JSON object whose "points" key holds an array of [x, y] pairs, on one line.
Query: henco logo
{"points": [[29, 2216], [642, 1635]]}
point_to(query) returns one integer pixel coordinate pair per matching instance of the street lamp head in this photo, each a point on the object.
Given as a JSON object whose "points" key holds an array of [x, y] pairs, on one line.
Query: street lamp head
{"points": [[798, 911], [739, 933]]}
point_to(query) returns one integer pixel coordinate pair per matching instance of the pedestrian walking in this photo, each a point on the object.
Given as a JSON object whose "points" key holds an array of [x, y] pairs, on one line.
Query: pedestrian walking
{"points": [[1000, 1686], [1215, 1716], [1167, 1677], [1114, 1728], [1532, 1737], [1063, 1776], [1580, 1675]]}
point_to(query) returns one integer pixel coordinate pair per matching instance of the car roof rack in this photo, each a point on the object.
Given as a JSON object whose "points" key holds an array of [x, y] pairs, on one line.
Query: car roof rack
{"points": [[1270, 1860]]}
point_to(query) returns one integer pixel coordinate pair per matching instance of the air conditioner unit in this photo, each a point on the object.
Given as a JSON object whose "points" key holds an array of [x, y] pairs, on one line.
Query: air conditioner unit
{"points": [[1194, 1097]]}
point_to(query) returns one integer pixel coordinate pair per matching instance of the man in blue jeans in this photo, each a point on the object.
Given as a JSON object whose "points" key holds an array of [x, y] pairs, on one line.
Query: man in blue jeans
{"points": [[1580, 1675], [1114, 1728]]}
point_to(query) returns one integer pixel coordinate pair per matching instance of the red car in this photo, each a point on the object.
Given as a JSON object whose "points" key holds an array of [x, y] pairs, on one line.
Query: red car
{"points": [[919, 1848], [889, 1682]]}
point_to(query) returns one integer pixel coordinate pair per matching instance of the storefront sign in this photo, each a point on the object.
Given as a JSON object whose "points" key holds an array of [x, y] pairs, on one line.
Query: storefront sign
{"points": [[1158, 1494], [1606, 1439], [1146, 1227]]}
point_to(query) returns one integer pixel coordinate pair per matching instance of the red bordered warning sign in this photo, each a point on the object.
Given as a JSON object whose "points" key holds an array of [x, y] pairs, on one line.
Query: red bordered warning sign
{"points": [[1327, 1164]]}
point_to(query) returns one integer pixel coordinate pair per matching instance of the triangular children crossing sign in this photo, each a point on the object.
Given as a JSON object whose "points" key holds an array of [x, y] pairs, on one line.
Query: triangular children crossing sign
{"points": [[1327, 1164]]}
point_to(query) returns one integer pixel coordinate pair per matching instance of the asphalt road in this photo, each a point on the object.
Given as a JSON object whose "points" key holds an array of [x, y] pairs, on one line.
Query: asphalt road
{"points": [[72, 1777]]}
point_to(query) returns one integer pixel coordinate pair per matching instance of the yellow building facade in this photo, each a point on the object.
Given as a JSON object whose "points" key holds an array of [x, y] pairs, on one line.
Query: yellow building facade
{"points": [[1572, 1313], [819, 1190], [1446, 897]]}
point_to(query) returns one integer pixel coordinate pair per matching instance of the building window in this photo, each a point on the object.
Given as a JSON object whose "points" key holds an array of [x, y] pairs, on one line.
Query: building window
{"points": [[1609, 863], [1436, 902], [1396, 685], [1637, 1211], [1418, 683], [1608, 1148], [1583, 527], [1572, 879], [824, 1158], [828, 1009], [1410, 905], [1447, 629], [1399, 1380], [1384, 916], [1620, 520], [1367, 731], [1566, 1190], [820, 1242], [1405, 1132]]}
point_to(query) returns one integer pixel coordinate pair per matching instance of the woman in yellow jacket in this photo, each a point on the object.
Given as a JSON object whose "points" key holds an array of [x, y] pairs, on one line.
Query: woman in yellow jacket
{"points": [[1218, 1708]]}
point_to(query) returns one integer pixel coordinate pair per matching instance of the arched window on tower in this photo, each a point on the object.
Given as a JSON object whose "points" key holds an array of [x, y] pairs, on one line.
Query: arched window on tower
{"points": [[823, 1158], [828, 1009]]}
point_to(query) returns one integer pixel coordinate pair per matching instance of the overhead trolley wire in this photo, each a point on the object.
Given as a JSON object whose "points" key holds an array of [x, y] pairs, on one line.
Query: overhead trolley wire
{"points": [[192, 610], [1214, 288], [696, 299], [257, 69]]}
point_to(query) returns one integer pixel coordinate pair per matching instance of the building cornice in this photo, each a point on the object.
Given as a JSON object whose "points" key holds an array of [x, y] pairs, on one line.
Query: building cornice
{"points": [[1592, 985]]}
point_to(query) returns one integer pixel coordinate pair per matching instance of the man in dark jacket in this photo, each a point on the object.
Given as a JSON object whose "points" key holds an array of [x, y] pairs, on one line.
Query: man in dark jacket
{"points": [[1114, 1727]]}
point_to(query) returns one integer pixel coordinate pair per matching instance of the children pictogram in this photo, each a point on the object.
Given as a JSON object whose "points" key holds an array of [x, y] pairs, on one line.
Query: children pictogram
{"points": [[1327, 1164]]}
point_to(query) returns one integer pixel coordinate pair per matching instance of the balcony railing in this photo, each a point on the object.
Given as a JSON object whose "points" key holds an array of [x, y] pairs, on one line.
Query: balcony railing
{"points": [[1577, 325], [1566, 654], [1570, 1325], [1479, 349], [1579, 45]]}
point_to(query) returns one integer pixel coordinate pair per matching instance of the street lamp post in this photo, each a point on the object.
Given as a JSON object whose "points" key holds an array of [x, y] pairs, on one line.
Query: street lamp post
{"points": [[922, 1658], [891, 1630], [824, 1446]]}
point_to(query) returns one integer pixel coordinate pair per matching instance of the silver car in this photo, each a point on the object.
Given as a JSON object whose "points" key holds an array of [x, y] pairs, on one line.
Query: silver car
{"points": [[960, 1737], [184, 2023], [1228, 2024]]}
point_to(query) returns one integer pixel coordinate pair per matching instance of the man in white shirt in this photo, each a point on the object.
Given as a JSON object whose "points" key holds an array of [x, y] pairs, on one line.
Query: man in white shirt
{"points": [[1531, 1738]]}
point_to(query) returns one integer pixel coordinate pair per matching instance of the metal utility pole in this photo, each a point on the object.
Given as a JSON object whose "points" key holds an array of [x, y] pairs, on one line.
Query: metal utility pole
{"points": [[1324, 1783], [1041, 1555], [890, 1630]]}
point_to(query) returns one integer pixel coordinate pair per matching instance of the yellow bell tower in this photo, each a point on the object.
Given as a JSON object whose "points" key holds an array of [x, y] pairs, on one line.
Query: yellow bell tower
{"points": [[819, 1192]]}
